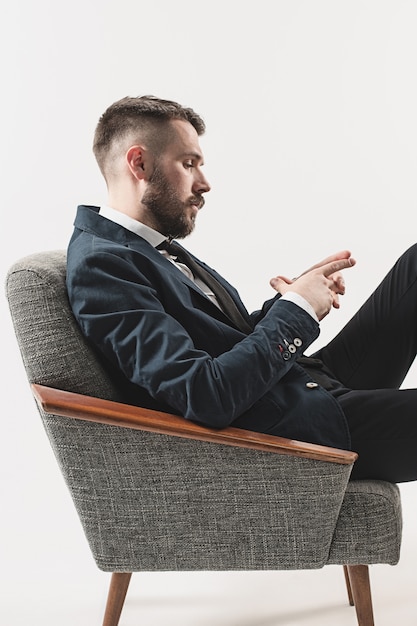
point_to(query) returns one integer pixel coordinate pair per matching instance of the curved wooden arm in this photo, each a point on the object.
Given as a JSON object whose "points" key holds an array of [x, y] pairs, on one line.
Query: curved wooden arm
{"points": [[74, 405]]}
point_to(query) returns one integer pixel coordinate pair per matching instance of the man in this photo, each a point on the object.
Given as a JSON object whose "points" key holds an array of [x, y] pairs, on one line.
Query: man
{"points": [[178, 337]]}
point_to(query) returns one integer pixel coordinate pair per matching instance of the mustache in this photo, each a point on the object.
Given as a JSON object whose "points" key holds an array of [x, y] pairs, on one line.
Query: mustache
{"points": [[197, 201]]}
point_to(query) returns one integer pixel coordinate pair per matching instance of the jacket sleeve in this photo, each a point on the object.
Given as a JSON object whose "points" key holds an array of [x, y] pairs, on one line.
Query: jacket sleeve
{"points": [[156, 352], [256, 316]]}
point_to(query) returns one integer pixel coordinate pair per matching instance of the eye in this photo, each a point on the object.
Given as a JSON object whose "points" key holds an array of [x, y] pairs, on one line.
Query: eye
{"points": [[188, 164]]}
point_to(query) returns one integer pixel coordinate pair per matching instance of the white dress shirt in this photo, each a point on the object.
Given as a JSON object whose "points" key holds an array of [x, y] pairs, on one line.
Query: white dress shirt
{"points": [[155, 239]]}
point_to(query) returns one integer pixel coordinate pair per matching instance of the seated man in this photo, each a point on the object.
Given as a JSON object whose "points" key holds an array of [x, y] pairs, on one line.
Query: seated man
{"points": [[178, 337]]}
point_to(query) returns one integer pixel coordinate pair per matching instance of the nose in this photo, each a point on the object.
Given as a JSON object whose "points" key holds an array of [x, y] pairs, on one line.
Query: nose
{"points": [[201, 184]]}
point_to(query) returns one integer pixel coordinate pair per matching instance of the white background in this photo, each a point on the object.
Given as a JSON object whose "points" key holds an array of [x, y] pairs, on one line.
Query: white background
{"points": [[310, 148]]}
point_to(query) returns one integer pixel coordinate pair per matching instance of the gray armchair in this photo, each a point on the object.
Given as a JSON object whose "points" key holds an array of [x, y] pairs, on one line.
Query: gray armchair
{"points": [[156, 492]]}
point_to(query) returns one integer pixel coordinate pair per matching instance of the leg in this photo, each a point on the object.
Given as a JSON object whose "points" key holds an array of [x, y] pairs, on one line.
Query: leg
{"points": [[348, 587], [383, 427], [361, 591], [377, 347], [116, 597], [371, 357]]}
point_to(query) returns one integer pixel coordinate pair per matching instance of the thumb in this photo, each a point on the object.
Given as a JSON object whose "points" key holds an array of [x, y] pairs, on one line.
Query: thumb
{"points": [[279, 282]]}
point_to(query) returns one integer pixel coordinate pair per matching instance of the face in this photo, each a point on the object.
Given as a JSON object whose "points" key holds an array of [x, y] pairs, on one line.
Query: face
{"points": [[175, 189]]}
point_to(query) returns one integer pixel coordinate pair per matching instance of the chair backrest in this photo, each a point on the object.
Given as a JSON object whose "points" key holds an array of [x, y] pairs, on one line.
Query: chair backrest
{"points": [[52, 346]]}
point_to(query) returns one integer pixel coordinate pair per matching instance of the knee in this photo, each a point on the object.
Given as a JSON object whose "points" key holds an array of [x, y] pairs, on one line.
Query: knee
{"points": [[410, 258]]}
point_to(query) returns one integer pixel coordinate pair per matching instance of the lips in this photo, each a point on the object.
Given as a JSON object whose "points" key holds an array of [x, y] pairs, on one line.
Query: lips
{"points": [[198, 203]]}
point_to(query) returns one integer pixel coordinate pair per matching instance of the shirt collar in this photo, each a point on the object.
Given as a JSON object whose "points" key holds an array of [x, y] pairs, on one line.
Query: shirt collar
{"points": [[146, 232]]}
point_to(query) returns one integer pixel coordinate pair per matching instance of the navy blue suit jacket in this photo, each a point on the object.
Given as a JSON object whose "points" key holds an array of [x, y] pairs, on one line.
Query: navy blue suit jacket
{"points": [[177, 351]]}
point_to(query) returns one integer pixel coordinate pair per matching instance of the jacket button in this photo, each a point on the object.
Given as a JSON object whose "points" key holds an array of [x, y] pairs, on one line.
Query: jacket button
{"points": [[286, 355], [298, 342], [292, 348], [312, 385]]}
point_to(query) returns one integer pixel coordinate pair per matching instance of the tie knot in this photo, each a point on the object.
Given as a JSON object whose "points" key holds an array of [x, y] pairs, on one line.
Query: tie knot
{"points": [[171, 247]]}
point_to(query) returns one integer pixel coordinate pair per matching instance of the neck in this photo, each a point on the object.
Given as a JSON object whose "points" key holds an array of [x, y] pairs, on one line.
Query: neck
{"points": [[125, 203]]}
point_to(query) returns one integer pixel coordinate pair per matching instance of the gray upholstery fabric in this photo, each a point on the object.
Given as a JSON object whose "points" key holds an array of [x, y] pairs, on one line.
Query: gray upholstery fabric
{"points": [[369, 526], [53, 349], [154, 502], [151, 501]]}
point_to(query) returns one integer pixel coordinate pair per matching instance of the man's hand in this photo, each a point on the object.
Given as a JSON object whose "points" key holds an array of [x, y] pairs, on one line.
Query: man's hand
{"points": [[321, 285]]}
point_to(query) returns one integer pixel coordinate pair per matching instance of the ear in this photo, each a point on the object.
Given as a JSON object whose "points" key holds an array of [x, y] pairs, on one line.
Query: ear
{"points": [[137, 158]]}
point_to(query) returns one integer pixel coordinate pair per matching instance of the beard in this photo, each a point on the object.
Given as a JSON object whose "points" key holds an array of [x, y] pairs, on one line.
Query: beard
{"points": [[169, 214]]}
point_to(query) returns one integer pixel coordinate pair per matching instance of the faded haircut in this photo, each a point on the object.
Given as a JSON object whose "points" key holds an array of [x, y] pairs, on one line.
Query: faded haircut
{"points": [[147, 118]]}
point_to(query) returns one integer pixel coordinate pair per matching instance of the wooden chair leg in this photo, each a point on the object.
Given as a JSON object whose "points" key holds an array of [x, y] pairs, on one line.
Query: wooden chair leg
{"points": [[348, 587], [358, 576], [117, 593]]}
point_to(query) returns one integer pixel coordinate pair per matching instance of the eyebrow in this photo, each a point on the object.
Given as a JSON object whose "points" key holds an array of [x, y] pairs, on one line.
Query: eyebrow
{"points": [[194, 155]]}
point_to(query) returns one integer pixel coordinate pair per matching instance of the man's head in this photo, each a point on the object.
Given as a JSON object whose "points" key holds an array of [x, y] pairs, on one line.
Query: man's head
{"points": [[145, 118], [149, 154]]}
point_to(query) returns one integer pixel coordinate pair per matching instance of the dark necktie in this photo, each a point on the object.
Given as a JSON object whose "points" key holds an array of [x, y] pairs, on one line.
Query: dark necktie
{"points": [[226, 302]]}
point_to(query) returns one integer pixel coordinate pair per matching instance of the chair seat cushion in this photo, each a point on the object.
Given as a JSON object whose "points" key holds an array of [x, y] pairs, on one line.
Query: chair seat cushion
{"points": [[374, 535]]}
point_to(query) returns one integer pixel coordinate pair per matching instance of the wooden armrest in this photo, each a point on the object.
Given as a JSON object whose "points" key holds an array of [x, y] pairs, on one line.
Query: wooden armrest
{"points": [[88, 408]]}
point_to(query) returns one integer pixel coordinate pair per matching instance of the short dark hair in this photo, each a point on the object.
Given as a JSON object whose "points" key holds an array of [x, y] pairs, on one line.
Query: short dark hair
{"points": [[148, 115]]}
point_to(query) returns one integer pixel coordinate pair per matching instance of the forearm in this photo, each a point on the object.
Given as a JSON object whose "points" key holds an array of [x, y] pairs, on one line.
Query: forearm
{"points": [[156, 353]]}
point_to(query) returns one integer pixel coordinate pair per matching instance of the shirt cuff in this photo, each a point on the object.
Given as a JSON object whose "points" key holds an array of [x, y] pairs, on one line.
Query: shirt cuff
{"points": [[295, 298]]}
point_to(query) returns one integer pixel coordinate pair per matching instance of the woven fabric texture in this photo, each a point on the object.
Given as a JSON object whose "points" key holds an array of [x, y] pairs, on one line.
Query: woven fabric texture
{"points": [[154, 502], [369, 527], [53, 349]]}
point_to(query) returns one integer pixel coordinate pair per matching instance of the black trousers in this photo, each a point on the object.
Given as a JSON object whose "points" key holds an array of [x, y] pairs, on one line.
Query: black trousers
{"points": [[370, 358]]}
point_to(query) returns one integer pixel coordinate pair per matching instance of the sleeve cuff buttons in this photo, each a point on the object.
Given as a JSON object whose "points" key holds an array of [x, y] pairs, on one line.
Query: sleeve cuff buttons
{"points": [[289, 348]]}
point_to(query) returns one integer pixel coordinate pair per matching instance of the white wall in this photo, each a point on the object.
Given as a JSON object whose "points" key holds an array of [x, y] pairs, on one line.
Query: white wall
{"points": [[310, 148]]}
